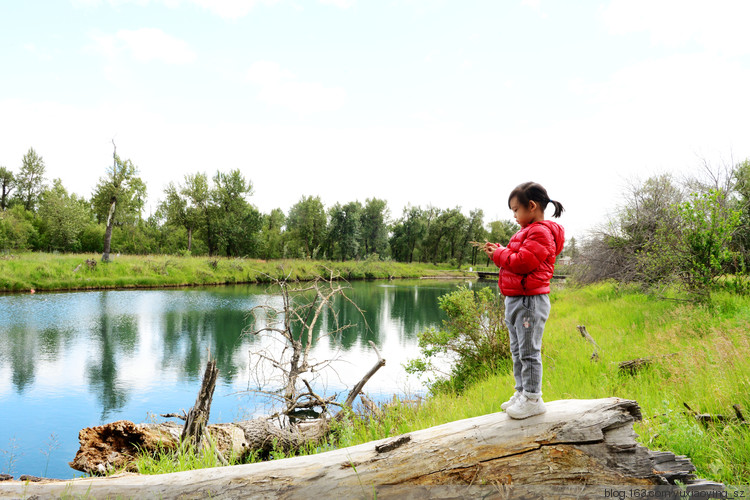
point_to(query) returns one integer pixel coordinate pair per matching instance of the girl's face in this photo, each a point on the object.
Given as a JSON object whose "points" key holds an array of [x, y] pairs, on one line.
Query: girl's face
{"points": [[525, 215]]}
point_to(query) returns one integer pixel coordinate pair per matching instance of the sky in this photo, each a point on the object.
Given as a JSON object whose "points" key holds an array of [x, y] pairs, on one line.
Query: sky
{"points": [[418, 102]]}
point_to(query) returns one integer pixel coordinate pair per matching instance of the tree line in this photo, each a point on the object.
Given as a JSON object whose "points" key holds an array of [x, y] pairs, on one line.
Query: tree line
{"points": [[213, 215]]}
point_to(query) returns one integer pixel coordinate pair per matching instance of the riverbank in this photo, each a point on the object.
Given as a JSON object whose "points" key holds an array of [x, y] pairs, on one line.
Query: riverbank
{"points": [[24, 272]]}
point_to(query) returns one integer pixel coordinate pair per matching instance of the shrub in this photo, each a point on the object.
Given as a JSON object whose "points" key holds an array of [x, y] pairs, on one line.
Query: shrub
{"points": [[473, 336]]}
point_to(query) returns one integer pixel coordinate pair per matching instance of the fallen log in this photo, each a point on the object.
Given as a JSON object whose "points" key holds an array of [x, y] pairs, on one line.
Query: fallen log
{"points": [[579, 445], [113, 446]]}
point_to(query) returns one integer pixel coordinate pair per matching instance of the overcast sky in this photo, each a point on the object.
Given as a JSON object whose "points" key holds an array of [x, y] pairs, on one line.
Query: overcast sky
{"points": [[449, 103]]}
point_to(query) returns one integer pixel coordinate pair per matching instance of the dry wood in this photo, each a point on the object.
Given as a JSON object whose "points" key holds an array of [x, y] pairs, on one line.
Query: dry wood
{"points": [[113, 446], [709, 418], [369, 405], [360, 385], [633, 366], [738, 412], [585, 334], [197, 417], [576, 443]]}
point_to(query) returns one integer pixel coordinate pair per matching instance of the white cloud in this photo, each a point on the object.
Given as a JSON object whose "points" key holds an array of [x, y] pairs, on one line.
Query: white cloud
{"points": [[279, 86], [719, 25], [230, 9], [151, 44], [226, 9], [344, 4], [266, 73], [41, 53]]}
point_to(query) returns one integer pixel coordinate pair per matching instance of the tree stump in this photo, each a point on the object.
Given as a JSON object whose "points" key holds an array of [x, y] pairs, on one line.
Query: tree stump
{"points": [[197, 417], [579, 448]]}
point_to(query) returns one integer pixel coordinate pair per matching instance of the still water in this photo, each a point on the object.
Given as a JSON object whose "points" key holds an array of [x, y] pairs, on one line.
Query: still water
{"points": [[75, 360]]}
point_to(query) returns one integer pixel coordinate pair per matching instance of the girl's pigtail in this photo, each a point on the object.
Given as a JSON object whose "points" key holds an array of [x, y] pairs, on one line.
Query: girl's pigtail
{"points": [[558, 208]]}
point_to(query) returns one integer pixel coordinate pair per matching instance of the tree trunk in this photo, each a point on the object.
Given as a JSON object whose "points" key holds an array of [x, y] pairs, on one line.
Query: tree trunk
{"points": [[108, 231], [190, 239], [578, 449], [197, 417]]}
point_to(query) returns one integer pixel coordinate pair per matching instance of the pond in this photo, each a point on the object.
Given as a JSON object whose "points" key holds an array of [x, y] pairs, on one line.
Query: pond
{"points": [[80, 359]]}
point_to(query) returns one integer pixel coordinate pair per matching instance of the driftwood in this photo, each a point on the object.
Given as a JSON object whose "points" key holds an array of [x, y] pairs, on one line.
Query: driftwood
{"points": [[197, 418], [585, 334], [633, 366], [111, 447], [578, 449], [708, 418]]}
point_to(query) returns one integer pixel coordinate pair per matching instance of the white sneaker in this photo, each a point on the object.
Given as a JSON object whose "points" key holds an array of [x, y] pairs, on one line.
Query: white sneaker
{"points": [[511, 401], [525, 408]]}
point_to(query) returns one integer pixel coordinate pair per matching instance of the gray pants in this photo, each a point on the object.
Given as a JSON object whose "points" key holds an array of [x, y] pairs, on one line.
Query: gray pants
{"points": [[525, 317]]}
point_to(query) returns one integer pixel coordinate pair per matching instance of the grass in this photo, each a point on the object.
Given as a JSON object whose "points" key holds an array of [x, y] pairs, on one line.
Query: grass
{"points": [[54, 272], [709, 371], [699, 357]]}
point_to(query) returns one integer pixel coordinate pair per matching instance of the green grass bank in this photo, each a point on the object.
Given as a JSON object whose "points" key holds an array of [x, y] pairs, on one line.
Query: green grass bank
{"points": [[699, 357], [57, 272]]}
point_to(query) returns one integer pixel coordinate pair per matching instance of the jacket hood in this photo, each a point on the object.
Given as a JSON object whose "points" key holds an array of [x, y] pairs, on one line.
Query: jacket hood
{"points": [[558, 233]]}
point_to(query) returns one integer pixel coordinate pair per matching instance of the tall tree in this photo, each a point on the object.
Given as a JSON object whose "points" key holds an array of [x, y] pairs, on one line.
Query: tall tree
{"points": [[374, 222], [7, 183], [408, 232], [234, 221], [186, 205], [30, 179], [118, 197], [474, 232], [271, 235], [306, 224], [344, 230]]}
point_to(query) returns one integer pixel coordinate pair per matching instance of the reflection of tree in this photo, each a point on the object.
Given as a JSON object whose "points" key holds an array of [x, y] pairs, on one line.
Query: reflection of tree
{"points": [[24, 346], [188, 336], [21, 341], [113, 333], [415, 307], [365, 315]]}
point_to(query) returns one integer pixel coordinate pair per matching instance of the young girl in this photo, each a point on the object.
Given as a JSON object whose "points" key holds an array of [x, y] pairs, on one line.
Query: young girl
{"points": [[526, 266]]}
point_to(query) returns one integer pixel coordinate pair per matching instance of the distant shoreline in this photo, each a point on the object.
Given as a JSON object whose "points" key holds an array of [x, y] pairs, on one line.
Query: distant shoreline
{"points": [[45, 272]]}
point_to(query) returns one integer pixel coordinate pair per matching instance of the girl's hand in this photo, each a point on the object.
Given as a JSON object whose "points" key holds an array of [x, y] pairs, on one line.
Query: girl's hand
{"points": [[489, 248]]}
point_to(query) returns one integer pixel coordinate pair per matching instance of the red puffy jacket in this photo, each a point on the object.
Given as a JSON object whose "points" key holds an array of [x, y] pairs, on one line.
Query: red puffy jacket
{"points": [[528, 262]]}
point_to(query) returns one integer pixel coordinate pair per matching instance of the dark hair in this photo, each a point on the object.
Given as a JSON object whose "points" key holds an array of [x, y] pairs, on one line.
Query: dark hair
{"points": [[531, 191]]}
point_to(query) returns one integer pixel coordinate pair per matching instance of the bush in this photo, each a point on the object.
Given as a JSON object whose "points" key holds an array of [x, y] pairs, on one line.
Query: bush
{"points": [[474, 337]]}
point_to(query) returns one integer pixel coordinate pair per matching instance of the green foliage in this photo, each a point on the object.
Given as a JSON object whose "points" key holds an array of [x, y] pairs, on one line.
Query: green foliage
{"points": [[121, 186], [344, 230], [63, 219], [271, 241], [307, 226], [473, 336], [17, 231], [7, 184], [30, 179], [374, 221], [708, 227], [408, 233]]}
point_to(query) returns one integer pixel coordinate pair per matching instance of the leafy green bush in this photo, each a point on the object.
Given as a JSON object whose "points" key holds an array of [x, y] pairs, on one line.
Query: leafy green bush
{"points": [[474, 337]]}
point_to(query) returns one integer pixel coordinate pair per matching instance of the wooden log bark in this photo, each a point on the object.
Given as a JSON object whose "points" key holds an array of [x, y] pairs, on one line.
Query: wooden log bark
{"points": [[197, 417], [578, 446], [113, 446]]}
